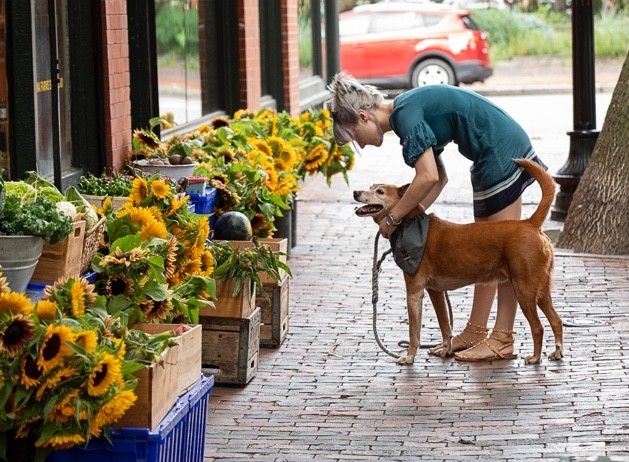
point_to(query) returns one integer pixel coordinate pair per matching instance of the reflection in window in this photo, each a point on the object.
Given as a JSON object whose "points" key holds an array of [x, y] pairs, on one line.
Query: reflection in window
{"points": [[311, 39], [178, 69]]}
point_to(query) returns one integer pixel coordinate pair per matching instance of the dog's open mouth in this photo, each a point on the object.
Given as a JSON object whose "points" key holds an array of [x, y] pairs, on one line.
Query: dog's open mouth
{"points": [[368, 210]]}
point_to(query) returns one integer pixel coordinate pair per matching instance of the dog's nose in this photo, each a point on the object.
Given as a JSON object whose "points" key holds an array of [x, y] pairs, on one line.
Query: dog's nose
{"points": [[356, 194]]}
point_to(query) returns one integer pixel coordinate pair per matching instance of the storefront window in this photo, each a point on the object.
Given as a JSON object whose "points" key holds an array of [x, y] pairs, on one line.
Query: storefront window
{"points": [[4, 94], [178, 67]]}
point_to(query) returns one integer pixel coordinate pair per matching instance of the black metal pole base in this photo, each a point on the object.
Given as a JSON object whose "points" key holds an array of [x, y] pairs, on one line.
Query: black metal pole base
{"points": [[582, 144]]}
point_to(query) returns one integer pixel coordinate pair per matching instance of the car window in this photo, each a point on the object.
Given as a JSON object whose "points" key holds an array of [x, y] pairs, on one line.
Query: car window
{"points": [[430, 20], [469, 23], [354, 25], [393, 21]]}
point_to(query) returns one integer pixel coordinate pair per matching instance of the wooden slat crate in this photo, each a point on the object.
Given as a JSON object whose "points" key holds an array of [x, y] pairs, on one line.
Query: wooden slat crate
{"points": [[276, 245], [228, 306], [61, 259], [274, 314], [231, 347]]}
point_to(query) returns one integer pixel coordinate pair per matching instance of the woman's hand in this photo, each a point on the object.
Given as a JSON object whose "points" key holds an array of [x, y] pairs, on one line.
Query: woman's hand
{"points": [[386, 229]]}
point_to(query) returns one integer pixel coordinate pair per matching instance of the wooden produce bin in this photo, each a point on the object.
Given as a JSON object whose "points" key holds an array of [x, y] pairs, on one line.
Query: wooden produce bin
{"points": [[273, 314], [97, 201], [159, 385], [61, 259], [276, 245], [228, 306], [231, 347]]}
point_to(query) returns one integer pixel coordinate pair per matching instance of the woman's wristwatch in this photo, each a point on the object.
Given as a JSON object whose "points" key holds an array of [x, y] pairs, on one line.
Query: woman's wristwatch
{"points": [[391, 220]]}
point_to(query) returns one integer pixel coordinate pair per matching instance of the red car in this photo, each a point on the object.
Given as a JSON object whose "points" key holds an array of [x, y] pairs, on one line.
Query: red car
{"points": [[405, 45]]}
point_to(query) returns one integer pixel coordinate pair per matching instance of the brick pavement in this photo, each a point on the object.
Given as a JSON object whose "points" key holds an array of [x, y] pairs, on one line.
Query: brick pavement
{"points": [[329, 393]]}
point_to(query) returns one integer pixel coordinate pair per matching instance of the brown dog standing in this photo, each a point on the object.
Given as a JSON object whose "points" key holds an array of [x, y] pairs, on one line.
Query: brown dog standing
{"points": [[483, 252]]}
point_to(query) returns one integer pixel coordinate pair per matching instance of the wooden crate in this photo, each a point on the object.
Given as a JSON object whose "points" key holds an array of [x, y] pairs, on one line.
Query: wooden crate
{"points": [[228, 306], [97, 201], [188, 348], [159, 385], [61, 259], [273, 314], [276, 245], [231, 347]]}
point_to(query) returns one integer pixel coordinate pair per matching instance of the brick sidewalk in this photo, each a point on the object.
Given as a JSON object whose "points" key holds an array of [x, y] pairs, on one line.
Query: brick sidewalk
{"points": [[329, 393]]}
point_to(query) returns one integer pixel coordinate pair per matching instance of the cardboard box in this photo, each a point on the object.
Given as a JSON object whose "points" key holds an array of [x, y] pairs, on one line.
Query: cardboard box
{"points": [[231, 347], [273, 315], [228, 306], [61, 259], [159, 385], [276, 245]]}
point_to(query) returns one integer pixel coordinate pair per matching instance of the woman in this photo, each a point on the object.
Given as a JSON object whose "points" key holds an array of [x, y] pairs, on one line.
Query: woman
{"points": [[426, 119]]}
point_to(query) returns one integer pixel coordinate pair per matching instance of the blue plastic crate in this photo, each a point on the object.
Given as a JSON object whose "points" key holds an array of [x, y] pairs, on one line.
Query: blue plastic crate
{"points": [[179, 437], [204, 203], [35, 291]]}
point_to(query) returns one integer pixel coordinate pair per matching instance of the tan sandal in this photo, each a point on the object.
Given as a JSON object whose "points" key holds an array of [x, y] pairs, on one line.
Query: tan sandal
{"points": [[480, 333], [503, 343]]}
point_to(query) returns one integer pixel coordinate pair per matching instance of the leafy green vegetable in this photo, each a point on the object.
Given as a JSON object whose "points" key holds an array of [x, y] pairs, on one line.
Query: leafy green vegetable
{"points": [[38, 218], [24, 192]]}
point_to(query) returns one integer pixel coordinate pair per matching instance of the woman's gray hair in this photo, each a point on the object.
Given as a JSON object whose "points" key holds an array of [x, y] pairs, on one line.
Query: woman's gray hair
{"points": [[348, 96]]}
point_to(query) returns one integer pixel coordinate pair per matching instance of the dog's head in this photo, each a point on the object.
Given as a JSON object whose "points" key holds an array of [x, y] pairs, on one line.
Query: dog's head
{"points": [[379, 200]]}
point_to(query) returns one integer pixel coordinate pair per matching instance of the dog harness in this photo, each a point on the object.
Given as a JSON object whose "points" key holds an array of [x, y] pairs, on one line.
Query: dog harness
{"points": [[408, 242]]}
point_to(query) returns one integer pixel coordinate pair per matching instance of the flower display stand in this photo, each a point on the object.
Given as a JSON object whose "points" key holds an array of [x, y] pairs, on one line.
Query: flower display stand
{"points": [[61, 259], [179, 436], [229, 306], [231, 347], [273, 314]]}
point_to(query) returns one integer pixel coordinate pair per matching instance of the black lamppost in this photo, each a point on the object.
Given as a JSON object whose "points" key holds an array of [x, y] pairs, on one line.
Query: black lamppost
{"points": [[584, 134]]}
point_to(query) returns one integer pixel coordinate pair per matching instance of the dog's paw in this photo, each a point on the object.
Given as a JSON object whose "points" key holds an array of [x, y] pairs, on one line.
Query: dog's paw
{"points": [[556, 355], [406, 360], [533, 359]]}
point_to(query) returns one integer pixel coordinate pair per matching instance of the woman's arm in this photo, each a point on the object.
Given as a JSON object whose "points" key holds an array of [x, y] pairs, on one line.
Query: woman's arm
{"points": [[430, 179]]}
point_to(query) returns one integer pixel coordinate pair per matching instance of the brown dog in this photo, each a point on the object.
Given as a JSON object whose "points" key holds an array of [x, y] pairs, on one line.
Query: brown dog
{"points": [[482, 252]]}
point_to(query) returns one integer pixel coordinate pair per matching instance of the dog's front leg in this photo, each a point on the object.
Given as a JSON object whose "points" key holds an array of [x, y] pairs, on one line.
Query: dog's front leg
{"points": [[438, 300], [414, 300]]}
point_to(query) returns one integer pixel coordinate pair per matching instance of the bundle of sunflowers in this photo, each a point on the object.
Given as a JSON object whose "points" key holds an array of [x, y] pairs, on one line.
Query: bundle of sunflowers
{"points": [[66, 366]]}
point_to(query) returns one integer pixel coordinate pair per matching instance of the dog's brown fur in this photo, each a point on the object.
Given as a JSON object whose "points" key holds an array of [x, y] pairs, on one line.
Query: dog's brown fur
{"points": [[482, 252]]}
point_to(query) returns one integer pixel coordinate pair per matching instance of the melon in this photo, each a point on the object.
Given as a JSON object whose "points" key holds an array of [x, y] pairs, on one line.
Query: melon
{"points": [[233, 226]]}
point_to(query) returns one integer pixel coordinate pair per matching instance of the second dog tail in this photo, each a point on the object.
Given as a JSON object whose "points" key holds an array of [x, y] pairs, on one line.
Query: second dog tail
{"points": [[546, 183]]}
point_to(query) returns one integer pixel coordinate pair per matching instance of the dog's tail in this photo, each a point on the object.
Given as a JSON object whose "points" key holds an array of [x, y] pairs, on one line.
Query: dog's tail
{"points": [[546, 183]]}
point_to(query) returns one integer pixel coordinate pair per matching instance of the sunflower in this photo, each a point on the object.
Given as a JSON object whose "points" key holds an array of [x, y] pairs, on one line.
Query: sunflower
{"points": [[243, 114], [315, 158], [46, 309], [170, 260], [54, 349], [16, 303], [207, 260], [119, 285], [62, 441], [218, 122], [160, 189], [4, 285], [146, 140], [15, 334], [139, 190], [261, 145], [87, 339], [65, 409], [112, 410], [107, 372], [54, 379], [31, 372], [226, 152], [153, 229], [155, 311], [176, 204], [77, 300], [118, 257]]}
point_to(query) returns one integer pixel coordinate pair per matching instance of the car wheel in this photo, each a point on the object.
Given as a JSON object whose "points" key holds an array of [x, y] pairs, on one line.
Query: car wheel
{"points": [[432, 72]]}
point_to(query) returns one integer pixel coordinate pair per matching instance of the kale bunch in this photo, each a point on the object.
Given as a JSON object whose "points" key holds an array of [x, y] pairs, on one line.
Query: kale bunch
{"points": [[38, 218]]}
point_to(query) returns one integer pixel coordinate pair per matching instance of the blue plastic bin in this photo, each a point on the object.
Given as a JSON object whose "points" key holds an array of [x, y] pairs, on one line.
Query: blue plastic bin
{"points": [[204, 203], [179, 437]]}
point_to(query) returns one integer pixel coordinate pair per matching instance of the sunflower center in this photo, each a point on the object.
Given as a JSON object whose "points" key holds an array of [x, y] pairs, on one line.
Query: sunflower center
{"points": [[53, 345], [100, 375], [30, 368], [14, 333], [118, 287]]}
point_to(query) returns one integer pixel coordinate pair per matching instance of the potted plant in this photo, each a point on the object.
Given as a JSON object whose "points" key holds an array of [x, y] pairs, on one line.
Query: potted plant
{"points": [[173, 158], [27, 220]]}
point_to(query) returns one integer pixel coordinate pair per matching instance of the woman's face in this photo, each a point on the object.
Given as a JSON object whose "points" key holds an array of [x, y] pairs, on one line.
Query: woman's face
{"points": [[367, 131]]}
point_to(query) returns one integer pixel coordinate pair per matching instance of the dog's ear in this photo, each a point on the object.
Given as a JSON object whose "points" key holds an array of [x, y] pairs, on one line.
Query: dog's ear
{"points": [[402, 189]]}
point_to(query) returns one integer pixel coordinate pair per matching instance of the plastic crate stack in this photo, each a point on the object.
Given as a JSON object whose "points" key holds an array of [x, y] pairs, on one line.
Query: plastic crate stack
{"points": [[204, 203], [179, 437]]}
